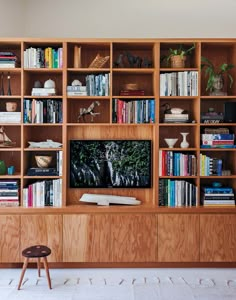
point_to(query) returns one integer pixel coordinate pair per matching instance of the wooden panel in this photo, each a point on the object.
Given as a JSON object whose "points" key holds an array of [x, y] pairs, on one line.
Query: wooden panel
{"points": [[178, 238], [86, 238], [43, 229], [9, 238], [133, 238], [217, 238]]}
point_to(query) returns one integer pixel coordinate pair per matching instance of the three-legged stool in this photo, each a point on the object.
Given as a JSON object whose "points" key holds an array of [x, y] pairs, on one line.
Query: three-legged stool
{"points": [[36, 252]]}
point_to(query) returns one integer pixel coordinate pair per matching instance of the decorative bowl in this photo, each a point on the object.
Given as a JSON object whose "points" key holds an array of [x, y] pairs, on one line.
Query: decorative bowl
{"points": [[43, 161], [171, 142]]}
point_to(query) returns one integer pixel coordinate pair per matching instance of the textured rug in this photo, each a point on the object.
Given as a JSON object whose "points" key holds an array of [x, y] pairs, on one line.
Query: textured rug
{"points": [[120, 284]]}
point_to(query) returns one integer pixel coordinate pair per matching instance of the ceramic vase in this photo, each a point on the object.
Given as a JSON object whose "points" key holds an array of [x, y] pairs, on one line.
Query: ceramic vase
{"points": [[184, 143], [3, 168]]}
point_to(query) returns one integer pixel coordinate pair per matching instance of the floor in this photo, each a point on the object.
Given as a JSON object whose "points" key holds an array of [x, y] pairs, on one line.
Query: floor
{"points": [[120, 284]]}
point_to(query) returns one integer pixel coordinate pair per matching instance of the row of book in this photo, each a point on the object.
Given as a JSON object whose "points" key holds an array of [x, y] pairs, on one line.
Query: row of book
{"points": [[98, 85], [133, 111], [177, 193], [179, 83], [43, 193], [42, 111], [43, 57], [177, 164], [9, 193], [210, 166], [218, 140], [217, 196]]}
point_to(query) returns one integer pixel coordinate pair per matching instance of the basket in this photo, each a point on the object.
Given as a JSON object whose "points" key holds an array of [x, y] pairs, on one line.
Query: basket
{"points": [[177, 61]]}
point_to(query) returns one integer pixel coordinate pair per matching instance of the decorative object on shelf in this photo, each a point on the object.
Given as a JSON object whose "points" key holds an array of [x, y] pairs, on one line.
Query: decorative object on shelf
{"points": [[171, 142], [43, 161], [109, 199], [134, 61], [49, 84], [99, 61], [11, 170], [215, 82], [4, 139], [38, 84], [76, 82], [9, 84], [184, 143], [127, 59], [89, 111], [175, 114], [11, 106], [2, 85], [47, 144], [3, 168], [178, 56], [118, 63]]}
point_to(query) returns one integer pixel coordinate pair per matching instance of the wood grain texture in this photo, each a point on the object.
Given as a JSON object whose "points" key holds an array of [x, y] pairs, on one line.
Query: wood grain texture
{"points": [[45, 230], [217, 238], [9, 238], [178, 238], [86, 238], [133, 238]]}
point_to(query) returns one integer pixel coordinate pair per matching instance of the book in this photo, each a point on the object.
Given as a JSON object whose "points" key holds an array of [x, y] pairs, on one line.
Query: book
{"points": [[42, 172]]}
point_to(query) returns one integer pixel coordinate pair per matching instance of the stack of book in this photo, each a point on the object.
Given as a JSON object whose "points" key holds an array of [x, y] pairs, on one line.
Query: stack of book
{"points": [[132, 93], [10, 117], [176, 118], [76, 90], [218, 196], [7, 59], [43, 92], [220, 140], [9, 193]]}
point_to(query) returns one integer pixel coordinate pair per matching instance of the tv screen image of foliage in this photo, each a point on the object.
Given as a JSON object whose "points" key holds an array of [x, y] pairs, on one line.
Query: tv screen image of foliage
{"points": [[110, 163]]}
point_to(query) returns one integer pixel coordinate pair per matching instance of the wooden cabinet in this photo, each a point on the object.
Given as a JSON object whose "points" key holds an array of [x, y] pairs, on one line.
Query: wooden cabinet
{"points": [[9, 238], [43, 230], [134, 238], [178, 238], [86, 238], [217, 238]]}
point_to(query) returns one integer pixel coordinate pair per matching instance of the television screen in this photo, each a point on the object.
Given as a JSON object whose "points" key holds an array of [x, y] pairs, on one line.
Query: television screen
{"points": [[110, 163]]}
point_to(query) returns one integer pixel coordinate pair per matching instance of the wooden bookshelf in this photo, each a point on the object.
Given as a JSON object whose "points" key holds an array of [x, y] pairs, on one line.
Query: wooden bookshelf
{"points": [[148, 235]]}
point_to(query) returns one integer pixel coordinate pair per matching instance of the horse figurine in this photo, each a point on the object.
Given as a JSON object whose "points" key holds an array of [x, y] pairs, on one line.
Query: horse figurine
{"points": [[89, 111]]}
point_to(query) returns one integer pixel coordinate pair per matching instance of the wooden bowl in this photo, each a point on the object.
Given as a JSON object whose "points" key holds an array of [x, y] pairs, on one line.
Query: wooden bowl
{"points": [[43, 161]]}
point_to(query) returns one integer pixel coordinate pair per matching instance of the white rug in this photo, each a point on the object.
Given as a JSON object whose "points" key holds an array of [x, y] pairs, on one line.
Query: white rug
{"points": [[120, 284]]}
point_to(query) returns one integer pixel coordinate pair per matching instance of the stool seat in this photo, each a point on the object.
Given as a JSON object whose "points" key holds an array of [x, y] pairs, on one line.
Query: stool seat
{"points": [[37, 251]]}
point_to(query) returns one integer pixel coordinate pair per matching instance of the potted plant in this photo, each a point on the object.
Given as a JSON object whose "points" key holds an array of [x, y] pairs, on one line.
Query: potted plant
{"points": [[215, 75], [177, 57]]}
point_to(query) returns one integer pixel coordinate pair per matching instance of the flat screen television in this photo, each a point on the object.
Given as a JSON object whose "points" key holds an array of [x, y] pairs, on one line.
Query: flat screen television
{"points": [[110, 164]]}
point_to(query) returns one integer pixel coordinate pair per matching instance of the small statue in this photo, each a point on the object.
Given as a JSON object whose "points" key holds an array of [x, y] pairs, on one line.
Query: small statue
{"points": [[119, 62], [131, 59], [147, 63], [89, 111], [174, 110], [9, 84]]}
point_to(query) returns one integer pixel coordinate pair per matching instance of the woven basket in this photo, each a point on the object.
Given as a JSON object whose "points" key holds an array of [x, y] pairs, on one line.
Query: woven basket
{"points": [[177, 61]]}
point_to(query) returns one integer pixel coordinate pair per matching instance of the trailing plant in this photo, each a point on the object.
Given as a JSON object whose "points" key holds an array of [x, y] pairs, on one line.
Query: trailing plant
{"points": [[211, 71]]}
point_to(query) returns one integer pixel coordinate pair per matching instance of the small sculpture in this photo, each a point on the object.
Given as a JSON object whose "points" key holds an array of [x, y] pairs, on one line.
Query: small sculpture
{"points": [[131, 59], [9, 84], [89, 111], [175, 110], [2, 86], [119, 62]]}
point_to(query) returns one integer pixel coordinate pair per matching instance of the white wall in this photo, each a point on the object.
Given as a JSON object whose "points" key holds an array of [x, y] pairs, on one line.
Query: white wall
{"points": [[118, 18]]}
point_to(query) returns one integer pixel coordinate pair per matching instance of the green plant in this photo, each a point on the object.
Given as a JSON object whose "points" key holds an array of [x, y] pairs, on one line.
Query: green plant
{"points": [[181, 51], [211, 71]]}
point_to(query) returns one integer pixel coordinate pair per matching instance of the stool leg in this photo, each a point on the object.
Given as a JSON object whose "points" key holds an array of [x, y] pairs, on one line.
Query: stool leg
{"points": [[47, 271], [23, 271], [38, 265]]}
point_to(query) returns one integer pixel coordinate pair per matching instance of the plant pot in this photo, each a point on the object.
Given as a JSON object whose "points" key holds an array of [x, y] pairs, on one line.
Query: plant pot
{"points": [[177, 61]]}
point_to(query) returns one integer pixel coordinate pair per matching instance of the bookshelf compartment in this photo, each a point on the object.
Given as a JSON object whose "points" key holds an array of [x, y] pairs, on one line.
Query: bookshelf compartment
{"points": [[173, 131], [30, 77], [11, 158], [133, 55], [14, 134], [10, 83], [81, 55], [143, 82], [75, 105], [15, 48], [40, 133]]}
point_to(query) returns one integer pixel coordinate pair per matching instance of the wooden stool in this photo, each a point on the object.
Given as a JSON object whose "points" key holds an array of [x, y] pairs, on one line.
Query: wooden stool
{"points": [[36, 252]]}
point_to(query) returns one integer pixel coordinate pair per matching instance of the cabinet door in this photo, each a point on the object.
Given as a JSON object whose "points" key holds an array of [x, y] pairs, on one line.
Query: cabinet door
{"points": [[134, 238], [9, 238], [45, 230], [218, 238], [178, 238], [86, 238]]}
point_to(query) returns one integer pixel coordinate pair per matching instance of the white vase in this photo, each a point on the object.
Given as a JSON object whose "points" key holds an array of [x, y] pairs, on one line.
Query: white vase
{"points": [[184, 143]]}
